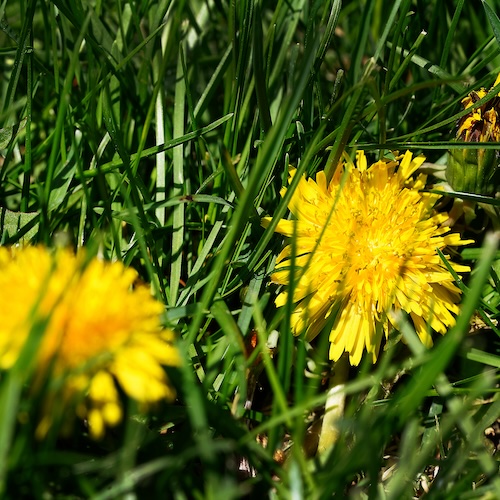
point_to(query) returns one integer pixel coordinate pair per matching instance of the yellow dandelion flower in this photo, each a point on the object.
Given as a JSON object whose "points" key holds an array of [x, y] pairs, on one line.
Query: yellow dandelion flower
{"points": [[366, 248], [101, 332]]}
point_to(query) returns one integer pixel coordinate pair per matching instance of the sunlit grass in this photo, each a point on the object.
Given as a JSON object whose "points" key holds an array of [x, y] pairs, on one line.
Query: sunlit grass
{"points": [[159, 134]]}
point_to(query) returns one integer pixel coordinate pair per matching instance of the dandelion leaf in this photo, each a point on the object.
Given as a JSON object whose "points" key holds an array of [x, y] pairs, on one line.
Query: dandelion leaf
{"points": [[7, 133], [24, 225]]}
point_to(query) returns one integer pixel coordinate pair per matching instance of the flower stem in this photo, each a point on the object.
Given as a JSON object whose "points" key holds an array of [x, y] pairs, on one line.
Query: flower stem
{"points": [[334, 406]]}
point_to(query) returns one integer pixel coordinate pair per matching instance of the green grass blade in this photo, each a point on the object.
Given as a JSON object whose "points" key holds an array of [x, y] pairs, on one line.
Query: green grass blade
{"points": [[493, 20], [178, 182]]}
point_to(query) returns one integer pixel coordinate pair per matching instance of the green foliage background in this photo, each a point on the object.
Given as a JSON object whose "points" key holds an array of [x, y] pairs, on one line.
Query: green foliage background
{"points": [[159, 133]]}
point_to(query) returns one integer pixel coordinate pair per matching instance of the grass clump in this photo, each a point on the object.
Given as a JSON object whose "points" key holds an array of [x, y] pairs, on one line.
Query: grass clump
{"points": [[159, 134]]}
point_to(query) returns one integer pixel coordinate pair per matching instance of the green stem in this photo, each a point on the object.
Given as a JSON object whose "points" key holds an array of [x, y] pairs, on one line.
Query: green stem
{"points": [[334, 406]]}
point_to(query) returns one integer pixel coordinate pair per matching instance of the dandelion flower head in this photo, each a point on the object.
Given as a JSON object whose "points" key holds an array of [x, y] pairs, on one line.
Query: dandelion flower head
{"points": [[365, 248], [481, 124], [477, 170], [101, 333]]}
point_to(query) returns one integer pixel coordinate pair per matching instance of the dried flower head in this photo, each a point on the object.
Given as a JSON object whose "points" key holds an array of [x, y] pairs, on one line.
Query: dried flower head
{"points": [[474, 170]]}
